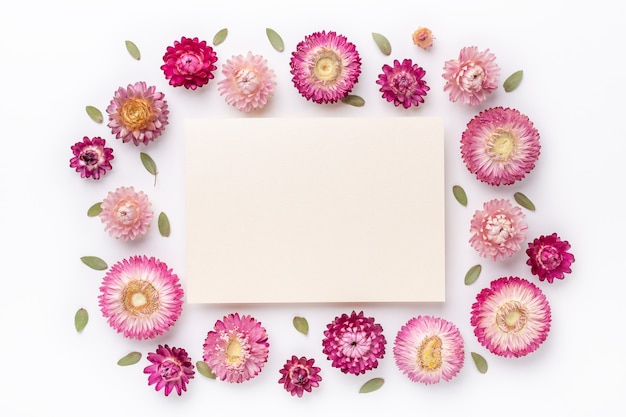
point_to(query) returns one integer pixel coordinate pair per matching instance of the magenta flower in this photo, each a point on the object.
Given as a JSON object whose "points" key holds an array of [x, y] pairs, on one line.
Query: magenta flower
{"points": [[325, 67], [429, 349], [403, 83], [236, 349], [189, 63], [138, 113], [511, 318], [498, 229], [472, 76], [126, 214], [299, 375], [549, 258], [141, 297], [91, 158], [248, 82], [354, 343], [500, 145], [171, 369]]}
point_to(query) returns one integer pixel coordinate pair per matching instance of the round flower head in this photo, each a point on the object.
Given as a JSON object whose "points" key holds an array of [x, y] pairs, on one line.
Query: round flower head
{"points": [[403, 83], [498, 229], [325, 67], [423, 37], [126, 214], [138, 113], [472, 76], [429, 349], [141, 297], [249, 83], [500, 145], [189, 63], [91, 158], [354, 343], [236, 349], [549, 258], [511, 318], [171, 369], [299, 375]]}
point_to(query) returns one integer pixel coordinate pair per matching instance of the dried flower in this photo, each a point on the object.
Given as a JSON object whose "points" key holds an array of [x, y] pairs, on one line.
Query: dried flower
{"points": [[91, 158], [141, 297], [126, 214], [354, 343], [249, 83], [549, 258], [423, 37], [403, 83], [189, 63], [498, 229], [171, 368], [511, 317], [325, 67], [472, 76], [299, 375], [429, 349], [138, 113]]}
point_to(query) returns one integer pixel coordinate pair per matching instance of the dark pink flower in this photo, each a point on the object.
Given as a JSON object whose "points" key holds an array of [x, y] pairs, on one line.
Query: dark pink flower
{"points": [[171, 368], [189, 63], [91, 158], [549, 258], [403, 83], [299, 375]]}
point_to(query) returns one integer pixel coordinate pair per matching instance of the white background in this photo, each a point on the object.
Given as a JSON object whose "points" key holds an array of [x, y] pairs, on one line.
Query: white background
{"points": [[58, 58]]}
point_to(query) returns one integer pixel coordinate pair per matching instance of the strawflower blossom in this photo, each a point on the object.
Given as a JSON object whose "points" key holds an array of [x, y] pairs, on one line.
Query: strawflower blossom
{"points": [[171, 369], [403, 84], [498, 229], [354, 343], [549, 258], [141, 297], [237, 348], [325, 67], [126, 213], [500, 146], [472, 76], [189, 63], [511, 317], [248, 82], [91, 158], [138, 113], [429, 349], [299, 375], [423, 37]]}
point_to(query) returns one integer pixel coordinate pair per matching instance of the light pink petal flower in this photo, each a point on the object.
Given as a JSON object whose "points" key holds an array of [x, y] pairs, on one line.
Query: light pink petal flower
{"points": [[248, 82], [126, 214], [472, 76], [171, 369], [498, 229]]}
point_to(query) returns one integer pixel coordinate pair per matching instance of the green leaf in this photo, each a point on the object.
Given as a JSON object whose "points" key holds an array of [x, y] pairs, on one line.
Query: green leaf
{"points": [[353, 100], [164, 225], [130, 359], [133, 50], [94, 113], [371, 385], [382, 42], [524, 201], [80, 319], [513, 81], [94, 210], [149, 164], [204, 369], [301, 324], [275, 40], [459, 194], [94, 262], [220, 37], [480, 362], [472, 274]]}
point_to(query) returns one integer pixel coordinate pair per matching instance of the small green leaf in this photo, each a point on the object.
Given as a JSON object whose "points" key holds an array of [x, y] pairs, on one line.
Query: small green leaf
{"points": [[130, 359], [459, 194], [94, 210], [513, 81], [301, 324], [275, 39], [80, 319], [204, 369], [164, 225], [472, 274], [353, 100], [94, 113], [480, 362], [220, 37], [133, 50], [371, 385], [149, 164], [382, 42], [524, 201], [94, 262]]}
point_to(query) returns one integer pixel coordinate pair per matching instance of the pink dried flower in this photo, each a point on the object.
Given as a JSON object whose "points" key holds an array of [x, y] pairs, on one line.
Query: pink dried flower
{"points": [[498, 229], [189, 63], [423, 37], [299, 375], [171, 368], [141, 297], [138, 113], [403, 83], [354, 343], [249, 83], [549, 258], [91, 158], [472, 76], [511, 318], [126, 214]]}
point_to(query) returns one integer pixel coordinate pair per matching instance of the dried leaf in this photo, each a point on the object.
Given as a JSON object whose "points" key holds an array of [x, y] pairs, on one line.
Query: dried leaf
{"points": [[353, 100], [133, 50], [513, 81], [94, 210], [80, 319], [372, 385], [301, 324], [472, 274], [164, 225], [382, 42], [524, 201], [94, 262], [220, 37], [275, 39], [204, 369], [130, 359], [94, 113], [149, 164], [480, 362], [459, 194]]}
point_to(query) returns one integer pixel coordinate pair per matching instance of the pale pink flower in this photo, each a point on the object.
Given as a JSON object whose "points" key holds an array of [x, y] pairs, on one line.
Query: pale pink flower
{"points": [[189, 63], [299, 375], [498, 229], [248, 82], [91, 157], [171, 369], [472, 76], [549, 257], [423, 37], [126, 214]]}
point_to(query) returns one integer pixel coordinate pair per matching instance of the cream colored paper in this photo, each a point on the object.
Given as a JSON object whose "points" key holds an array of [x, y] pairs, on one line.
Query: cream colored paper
{"points": [[315, 210]]}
